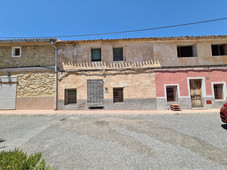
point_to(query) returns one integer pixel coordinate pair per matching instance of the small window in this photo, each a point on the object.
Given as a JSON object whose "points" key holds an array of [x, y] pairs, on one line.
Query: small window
{"points": [[218, 50], [16, 51], [171, 93], [185, 51], [96, 54], [70, 96], [218, 92], [117, 95], [117, 54]]}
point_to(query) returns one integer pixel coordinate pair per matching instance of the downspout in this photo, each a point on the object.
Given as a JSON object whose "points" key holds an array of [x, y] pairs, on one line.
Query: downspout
{"points": [[56, 75], [56, 78]]}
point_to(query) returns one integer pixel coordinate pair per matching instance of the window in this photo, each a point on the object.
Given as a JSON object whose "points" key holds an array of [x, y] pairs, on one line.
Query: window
{"points": [[117, 95], [70, 96], [171, 93], [96, 54], [117, 54], [186, 51], [218, 92], [218, 50], [16, 51]]}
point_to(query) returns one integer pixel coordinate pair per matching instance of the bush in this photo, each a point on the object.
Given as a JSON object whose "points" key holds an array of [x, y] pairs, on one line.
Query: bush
{"points": [[19, 160]]}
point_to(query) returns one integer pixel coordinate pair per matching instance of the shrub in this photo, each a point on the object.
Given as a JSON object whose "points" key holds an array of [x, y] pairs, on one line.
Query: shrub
{"points": [[18, 160]]}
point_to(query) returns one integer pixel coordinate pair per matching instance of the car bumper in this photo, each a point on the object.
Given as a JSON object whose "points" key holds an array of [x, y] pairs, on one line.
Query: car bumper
{"points": [[223, 115]]}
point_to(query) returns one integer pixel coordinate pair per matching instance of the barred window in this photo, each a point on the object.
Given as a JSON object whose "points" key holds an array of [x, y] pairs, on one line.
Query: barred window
{"points": [[117, 95], [218, 91], [70, 96]]}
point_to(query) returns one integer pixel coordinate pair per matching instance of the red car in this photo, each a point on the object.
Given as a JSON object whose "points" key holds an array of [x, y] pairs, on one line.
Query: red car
{"points": [[223, 113]]}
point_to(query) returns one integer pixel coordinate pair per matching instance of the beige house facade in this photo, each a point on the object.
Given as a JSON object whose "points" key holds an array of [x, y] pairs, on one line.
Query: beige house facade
{"points": [[142, 73], [107, 75], [125, 74]]}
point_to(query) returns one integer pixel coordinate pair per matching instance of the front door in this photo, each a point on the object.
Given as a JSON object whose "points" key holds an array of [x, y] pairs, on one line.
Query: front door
{"points": [[196, 93], [95, 93]]}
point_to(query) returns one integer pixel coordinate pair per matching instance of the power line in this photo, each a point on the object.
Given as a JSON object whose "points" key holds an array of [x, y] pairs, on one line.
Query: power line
{"points": [[128, 31]]}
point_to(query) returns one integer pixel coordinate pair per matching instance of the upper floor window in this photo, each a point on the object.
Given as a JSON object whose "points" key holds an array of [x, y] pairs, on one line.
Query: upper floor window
{"points": [[186, 51], [16, 51], [218, 50], [96, 54], [117, 54]]}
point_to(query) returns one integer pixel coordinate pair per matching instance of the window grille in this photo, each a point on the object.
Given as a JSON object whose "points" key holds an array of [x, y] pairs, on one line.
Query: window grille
{"points": [[117, 95], [70, 96], [218, 91]]}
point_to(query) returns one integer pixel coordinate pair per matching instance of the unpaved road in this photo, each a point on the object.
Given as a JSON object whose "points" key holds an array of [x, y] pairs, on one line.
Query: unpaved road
{"points": [[189, 141]]}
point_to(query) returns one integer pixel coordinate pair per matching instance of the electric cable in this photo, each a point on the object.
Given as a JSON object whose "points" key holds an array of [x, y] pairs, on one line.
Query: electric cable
{"points": [[128, 31]]}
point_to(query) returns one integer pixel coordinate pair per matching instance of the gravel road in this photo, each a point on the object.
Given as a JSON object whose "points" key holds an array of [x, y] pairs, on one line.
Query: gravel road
{"points": [[189, 141]]}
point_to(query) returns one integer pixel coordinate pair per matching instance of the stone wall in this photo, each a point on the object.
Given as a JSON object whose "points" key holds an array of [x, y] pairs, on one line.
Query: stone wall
{"points": [[35, 90], [35, 84], [32, 55]]}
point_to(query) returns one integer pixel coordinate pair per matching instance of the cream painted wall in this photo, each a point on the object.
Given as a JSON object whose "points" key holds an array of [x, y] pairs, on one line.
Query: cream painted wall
{"points": [[135, 84]]}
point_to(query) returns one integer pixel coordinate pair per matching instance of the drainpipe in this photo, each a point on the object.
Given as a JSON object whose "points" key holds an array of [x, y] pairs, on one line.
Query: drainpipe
{"points": [[56, 79], [56, 76]]}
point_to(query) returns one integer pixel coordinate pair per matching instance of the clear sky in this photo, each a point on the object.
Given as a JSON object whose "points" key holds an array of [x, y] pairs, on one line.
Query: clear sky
{"points": [[40, 18]]}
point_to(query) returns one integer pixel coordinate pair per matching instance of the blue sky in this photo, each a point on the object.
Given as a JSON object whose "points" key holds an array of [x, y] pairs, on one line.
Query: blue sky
{"points": [[40, 18]]}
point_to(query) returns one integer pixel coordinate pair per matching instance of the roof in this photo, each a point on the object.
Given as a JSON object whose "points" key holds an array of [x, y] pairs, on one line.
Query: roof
{"points": [[28, 40], [143, 39], [59, 42]]}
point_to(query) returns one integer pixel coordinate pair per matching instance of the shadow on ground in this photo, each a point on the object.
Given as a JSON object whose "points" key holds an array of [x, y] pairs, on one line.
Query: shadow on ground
{"points": [[2, 140], [224, 126]]}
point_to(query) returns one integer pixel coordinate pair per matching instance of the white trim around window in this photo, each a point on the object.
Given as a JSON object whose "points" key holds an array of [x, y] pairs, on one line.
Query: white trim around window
{"points": [[14, 51], [172, 85]]}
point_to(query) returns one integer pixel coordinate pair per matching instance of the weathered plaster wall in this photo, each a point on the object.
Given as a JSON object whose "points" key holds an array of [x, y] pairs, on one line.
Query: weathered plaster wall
{"points": [[163, 51], [31, 55], [69, 55], [166, 53], [137, 86], [180, 77]]}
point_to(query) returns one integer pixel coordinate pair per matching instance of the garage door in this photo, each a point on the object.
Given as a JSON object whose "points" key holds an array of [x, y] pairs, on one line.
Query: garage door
{"points": [[8, 88]]}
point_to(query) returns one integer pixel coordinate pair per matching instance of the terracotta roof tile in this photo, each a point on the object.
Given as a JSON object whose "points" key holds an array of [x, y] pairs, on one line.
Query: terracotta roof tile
{"points": [[143, 39]]}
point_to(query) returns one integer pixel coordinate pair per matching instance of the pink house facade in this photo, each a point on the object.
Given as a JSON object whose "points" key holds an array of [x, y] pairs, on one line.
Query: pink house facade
{"points": [[178, 86]]}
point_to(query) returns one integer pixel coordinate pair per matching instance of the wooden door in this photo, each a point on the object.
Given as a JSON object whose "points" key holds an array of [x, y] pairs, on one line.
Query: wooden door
{"points": [[196, 93], [95, 93]]}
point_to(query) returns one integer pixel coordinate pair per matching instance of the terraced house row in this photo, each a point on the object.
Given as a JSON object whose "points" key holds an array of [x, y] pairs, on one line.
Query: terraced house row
{"points": [[137, 73]]}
